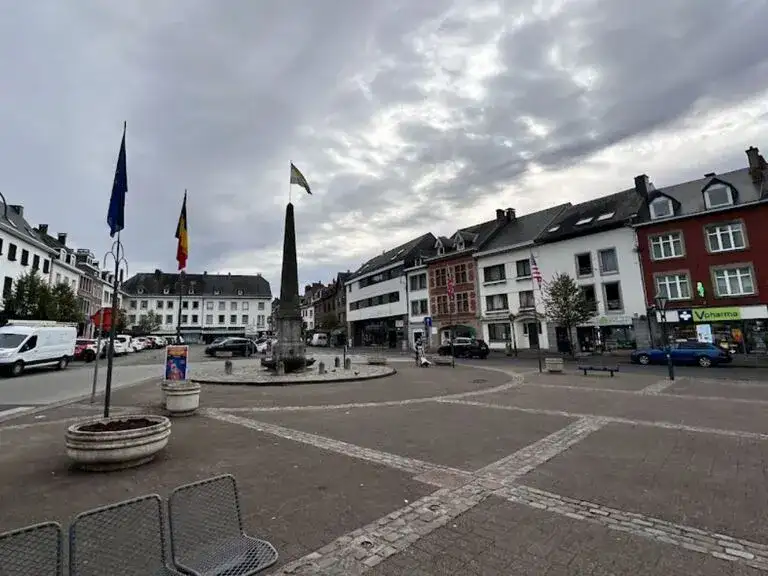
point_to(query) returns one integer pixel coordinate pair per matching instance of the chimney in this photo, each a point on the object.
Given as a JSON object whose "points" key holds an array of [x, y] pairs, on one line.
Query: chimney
{"points": [[63, 238], [19, 209], [42, 228], [642, 186], [510, 214], [205, 272], [757, 165], [499, 214], [709, 175]]}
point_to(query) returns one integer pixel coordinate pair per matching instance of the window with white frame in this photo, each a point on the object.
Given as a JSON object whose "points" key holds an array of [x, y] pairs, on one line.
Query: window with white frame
{"points": [[726, 237], [498, 332], [609, 263], [673, 286], [527, 300], [666, 246], [419, 307], [737, 281], [496, 302], [495, 273], [661, 207], [717, 196]]}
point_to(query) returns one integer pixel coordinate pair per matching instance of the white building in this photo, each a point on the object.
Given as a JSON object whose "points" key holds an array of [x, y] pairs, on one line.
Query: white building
{"points": [[307, 310], [511, 307], [21, 248], [593, 243], [206, 306], [377, 296], [64, 268], [418, 303]]}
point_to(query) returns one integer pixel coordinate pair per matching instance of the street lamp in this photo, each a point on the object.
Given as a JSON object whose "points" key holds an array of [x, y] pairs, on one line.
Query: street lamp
{"points": [[661, 305], [514, 335]]}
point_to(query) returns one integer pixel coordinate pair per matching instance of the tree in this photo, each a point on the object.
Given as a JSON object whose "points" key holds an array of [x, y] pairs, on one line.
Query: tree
{"points": [[328, 321], [65, 307], [31, 299], [566, 305], [148, 323]]}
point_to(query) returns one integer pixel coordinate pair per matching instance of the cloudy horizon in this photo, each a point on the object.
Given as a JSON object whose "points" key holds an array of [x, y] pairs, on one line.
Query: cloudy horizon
{"points": [[404, 117]]}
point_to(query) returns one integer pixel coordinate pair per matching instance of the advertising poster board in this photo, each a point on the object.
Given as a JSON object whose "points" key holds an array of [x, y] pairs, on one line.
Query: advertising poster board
{"points": [[176, 362]]}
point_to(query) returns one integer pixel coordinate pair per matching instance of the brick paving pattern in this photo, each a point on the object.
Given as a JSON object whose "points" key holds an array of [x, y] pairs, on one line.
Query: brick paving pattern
{"points": [[450, 471]]}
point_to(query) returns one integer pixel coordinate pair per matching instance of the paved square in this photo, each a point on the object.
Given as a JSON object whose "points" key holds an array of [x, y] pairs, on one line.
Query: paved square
{"points": [[448, 471], [744, 390]]}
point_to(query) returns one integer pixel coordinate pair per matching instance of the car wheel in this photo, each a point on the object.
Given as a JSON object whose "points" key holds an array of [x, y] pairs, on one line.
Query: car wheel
{"points": [[18, 368], [644, 359], [89, 356], [704, 361], [63, 363]]}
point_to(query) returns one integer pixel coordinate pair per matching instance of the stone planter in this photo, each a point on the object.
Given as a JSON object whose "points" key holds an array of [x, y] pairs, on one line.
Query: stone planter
{"points": [[181, 398], [118, 442], [554, 365]]}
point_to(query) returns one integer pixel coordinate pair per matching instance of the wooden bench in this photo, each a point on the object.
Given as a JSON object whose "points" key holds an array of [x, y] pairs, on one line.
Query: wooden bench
{"points": [[610, 369]]}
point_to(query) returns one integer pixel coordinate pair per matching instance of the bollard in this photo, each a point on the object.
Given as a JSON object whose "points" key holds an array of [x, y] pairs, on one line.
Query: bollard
{"points": [[336, 362], [280, 368], [321, 368], [228, 367], [347, 364]]}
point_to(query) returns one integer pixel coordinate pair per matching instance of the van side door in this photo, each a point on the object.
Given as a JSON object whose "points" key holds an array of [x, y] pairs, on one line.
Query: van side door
{"points": [[29, 351]]}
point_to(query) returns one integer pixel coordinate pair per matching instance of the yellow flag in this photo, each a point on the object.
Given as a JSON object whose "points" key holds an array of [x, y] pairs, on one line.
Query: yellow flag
{"points": [[298, 179]]}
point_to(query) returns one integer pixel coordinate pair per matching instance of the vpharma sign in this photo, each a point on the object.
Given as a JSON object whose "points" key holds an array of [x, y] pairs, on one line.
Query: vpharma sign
{"points": [[717, 314]]}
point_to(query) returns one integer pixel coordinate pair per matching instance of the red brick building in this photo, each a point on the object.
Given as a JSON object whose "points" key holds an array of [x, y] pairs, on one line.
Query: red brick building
{"points": [[704, 245], [454, 260]]}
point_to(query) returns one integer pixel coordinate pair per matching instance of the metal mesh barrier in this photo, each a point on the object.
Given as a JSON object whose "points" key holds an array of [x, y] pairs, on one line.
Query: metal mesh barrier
{"points": [[34, 550], [125, 539], [207, 535]]}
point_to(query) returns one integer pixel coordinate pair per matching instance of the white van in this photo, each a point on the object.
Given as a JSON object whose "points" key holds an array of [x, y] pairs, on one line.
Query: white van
{"points": [[319, 340], [29, 343], [123, 344]]}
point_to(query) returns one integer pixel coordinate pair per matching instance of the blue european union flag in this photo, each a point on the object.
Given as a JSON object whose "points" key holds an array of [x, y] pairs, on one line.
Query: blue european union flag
{"points": [[116, 213]]}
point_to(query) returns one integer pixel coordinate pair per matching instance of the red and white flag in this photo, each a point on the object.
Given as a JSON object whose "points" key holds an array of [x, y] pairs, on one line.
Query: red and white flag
{"points": [[535, 272], [450, 287]]}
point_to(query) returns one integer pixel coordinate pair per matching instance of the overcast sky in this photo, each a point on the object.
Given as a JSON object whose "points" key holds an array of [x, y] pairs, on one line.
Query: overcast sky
{"points": [[404, 116]]}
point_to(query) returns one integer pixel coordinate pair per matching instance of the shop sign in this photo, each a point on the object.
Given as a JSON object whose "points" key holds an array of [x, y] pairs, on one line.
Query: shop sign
{"points": [[723, 314], [615, 321]]}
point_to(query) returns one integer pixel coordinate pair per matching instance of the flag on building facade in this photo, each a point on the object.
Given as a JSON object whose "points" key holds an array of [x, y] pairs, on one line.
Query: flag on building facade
{"points": [[535, 272], [182, 235], [298, 178], [116, 212]]}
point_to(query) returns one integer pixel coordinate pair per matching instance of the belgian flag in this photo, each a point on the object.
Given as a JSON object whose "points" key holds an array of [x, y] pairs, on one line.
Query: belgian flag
{"points": [[182, 235]]}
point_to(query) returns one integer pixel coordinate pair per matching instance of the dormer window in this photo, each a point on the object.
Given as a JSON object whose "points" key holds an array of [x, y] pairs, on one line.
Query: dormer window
{"points": [[418, 262], [661, 207], [191, 291], [140, 290], [460, 245], [717, 196], [216, 292], [440, 249], [240, 293], [584, 221], [166, 291]]}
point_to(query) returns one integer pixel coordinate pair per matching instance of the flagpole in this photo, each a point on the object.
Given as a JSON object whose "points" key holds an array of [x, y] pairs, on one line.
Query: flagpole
{"points": [[289, 182], [113, 330]]}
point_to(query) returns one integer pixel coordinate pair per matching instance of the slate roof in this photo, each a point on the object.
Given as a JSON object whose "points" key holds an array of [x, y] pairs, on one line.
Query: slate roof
{"points": [[688, 198], [409, 251], [154, 284], [473, 237], [594, 216], [15, 224], [522, 229]]}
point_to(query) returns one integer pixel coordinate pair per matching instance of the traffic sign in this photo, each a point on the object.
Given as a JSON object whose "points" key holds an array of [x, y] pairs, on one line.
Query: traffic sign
{"points": [[428, 321]]}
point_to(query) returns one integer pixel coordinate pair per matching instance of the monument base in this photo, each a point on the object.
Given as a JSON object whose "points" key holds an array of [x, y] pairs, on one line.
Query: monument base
{"points": [[291, 364]]}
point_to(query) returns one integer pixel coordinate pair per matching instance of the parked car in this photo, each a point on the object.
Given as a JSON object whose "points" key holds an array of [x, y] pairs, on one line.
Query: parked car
{"points": [[264, 345], [236, 346], [85, 349], [36, 344], [701, 353], [465, 348]]}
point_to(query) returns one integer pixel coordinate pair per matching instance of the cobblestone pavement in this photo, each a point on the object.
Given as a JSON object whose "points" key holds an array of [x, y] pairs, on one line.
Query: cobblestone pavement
{"points": [[452, 471]]}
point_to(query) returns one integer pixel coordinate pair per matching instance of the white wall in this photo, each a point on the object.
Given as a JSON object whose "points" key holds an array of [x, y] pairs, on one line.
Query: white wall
{"points": [[560, 257], [62, 273], [511, 286], [208, 311], [308, 316], [416, 321], [399, 308], [13, 268]]}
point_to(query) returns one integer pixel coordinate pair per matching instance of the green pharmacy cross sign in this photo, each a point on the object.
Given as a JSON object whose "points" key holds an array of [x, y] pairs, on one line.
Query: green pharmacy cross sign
{"points": [[700, 289]]}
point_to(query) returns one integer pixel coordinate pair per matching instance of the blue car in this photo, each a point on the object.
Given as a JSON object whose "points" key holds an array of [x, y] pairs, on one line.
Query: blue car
{"points": [[701, 353]]}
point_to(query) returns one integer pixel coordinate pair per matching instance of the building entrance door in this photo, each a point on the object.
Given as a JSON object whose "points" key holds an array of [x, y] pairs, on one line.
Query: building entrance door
{"points": [[533, 335]]}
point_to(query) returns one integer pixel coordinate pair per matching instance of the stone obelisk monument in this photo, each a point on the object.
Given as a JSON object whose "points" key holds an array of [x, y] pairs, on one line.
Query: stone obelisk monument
{"points": [[289, 352]]}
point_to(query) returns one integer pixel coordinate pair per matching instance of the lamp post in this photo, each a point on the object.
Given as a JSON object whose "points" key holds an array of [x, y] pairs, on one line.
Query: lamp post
{"points": [[514, 334], [180, 284], [661, 305]]}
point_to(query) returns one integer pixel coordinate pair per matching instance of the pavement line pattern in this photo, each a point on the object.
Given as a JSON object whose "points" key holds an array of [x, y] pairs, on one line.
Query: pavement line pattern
{"points": [[718, 545], [70, 420], [516, 382], [411, 465], [16, 410], [616, 420], [362, 549], [659, 387]]}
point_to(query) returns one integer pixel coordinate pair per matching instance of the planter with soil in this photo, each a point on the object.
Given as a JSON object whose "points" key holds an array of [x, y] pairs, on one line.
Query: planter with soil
{"points": [[181, 397], [117, 442]]}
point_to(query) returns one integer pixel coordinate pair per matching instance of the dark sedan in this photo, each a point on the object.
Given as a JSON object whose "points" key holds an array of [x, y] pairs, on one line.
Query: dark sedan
{"points": [[231, 346], [701, 353], [465, 348]]}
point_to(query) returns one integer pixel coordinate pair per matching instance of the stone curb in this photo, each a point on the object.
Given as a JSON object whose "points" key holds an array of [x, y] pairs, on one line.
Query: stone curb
{"points": [[211, 382]]}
